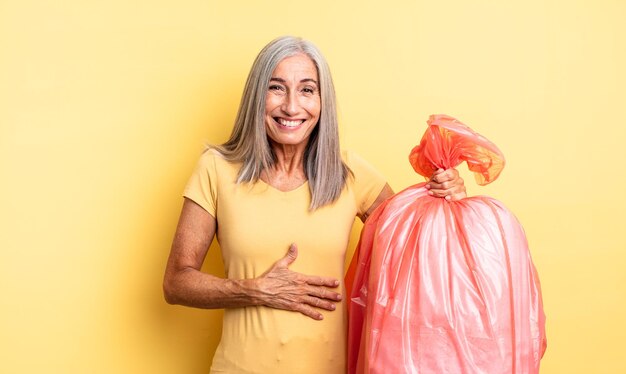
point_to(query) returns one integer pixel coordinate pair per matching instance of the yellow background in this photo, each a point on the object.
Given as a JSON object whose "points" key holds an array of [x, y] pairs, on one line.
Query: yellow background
{"points": [[105, 107]]}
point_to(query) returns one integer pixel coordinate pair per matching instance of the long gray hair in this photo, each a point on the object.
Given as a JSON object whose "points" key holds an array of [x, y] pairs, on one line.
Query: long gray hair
{"points": [[248, 143]]}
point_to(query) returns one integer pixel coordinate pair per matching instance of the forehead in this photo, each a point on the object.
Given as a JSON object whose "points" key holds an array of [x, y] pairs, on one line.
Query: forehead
{"points": [[298, 66]]}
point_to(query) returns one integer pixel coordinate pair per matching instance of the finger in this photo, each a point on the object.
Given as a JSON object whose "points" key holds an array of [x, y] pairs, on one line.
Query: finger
{"points": [[308, 311], [437, 193], [454, 197], [438, 171], [440, 186], [319, 303], [324, 293], [314, 280], [455, 193], [437, 175], [290, 257], [447, 185], [444, 175]]}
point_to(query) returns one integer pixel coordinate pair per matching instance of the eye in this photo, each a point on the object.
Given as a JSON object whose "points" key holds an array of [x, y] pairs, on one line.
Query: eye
{"points": [[308, 90], [276, 88]]}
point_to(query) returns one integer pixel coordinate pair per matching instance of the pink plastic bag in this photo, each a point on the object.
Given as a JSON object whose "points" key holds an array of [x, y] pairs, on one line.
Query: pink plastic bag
{"points": [[445, 287]]}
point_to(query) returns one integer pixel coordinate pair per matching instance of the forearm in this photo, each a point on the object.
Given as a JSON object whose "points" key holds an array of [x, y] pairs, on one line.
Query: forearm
{"points": [[191, 287]]}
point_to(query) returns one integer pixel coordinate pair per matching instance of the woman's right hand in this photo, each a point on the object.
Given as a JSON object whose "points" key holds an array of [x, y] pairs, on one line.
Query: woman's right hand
{"points": [[282, 288]]}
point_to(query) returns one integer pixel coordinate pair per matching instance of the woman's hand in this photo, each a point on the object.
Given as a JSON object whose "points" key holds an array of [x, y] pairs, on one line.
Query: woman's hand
{"points": [[447, 184], [282, 288]]}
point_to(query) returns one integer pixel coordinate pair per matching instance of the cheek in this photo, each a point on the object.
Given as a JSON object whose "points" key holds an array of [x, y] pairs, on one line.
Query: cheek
{"points": [[267, 106], [272, 102], [314, 108]]}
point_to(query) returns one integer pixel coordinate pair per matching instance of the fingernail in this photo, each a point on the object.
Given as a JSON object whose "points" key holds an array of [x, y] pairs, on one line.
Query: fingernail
{"points": [[431, 193], [336, 283], [332, 306], [320, 317], [448, 197]]}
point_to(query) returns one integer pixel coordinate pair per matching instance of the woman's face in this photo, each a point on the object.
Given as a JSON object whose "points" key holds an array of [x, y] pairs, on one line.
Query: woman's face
{"points": [[292, 105]]}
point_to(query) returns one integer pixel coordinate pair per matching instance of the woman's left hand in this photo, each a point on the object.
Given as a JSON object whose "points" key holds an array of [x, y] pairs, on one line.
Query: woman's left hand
{"points": [[447, 184]]}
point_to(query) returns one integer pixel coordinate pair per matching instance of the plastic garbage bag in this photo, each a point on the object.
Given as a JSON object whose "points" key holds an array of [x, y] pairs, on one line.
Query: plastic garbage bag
{"points": [[440, 286]]}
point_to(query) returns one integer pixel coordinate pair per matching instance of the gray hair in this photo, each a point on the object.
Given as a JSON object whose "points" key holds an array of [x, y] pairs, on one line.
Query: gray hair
{"points": [[326, 172]]}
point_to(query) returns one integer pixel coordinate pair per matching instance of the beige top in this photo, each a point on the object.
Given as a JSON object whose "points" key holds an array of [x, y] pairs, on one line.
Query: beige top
{"points": [[256, 225]]}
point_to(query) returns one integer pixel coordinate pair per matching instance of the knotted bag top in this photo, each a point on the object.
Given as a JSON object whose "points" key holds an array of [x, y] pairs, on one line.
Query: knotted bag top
{"points": [[447, 143]]}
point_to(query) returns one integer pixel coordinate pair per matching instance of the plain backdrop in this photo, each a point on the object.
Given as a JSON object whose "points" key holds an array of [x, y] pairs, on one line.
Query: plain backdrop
{"points": [[105, 107]]}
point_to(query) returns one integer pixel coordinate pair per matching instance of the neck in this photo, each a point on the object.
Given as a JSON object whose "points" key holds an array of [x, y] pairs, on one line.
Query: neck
{"points": [[289, 159], [288, 171]]}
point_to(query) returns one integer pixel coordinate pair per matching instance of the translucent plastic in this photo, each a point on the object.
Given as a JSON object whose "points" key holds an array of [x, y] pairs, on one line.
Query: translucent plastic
{"points": [[445, 287]]}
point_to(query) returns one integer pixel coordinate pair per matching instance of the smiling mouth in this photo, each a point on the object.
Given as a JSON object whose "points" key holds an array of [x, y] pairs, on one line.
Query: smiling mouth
{"points": [[287, 123]]}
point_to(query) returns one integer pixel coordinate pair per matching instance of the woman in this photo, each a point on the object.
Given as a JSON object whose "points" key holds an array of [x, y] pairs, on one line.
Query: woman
{"points": [[280, 184]]}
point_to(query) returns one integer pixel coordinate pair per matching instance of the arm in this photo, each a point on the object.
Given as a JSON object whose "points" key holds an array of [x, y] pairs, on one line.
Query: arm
{"points": [[444, 183], [280, 288], [184, 283], [386, 193]]}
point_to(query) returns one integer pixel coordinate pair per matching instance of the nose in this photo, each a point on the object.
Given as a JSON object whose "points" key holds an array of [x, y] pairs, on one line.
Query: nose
{"points": [[290, 104]]}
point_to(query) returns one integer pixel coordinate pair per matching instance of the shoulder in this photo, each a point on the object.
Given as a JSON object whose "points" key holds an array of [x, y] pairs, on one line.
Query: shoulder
{"points": [[349, 158], [212, 158], [210, 155], [356, 163], [365, 182], [213, 168]]}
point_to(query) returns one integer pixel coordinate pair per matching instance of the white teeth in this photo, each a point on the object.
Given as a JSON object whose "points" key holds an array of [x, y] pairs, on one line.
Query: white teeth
{"points": [[289, 123]]}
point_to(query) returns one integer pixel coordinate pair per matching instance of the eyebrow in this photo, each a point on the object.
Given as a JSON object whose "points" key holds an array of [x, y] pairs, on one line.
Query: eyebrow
{"points": [[281, 80]]}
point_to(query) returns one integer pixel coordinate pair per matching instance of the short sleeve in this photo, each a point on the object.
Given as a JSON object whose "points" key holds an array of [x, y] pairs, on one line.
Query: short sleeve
{"points": [[201, 187], [368, 182]]}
